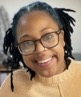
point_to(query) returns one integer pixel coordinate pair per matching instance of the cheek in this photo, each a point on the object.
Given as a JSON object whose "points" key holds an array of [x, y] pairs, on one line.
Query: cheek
{"points": [[59, 50], [26, 60]]}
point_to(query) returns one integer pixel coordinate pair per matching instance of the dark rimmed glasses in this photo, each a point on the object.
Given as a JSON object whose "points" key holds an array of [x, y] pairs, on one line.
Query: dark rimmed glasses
{"points": [[48, 40]]}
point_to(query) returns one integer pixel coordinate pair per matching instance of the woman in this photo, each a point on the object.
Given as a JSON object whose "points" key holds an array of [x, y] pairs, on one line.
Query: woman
{"points": [[40, 38]]}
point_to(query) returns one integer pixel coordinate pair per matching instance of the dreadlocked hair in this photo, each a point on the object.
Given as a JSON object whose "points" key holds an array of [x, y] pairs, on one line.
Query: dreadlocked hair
{"points": [[67, 21], [64, 21], [10, 47]]}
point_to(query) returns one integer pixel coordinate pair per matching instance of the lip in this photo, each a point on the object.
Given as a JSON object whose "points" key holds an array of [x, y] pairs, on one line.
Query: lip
{"points": [[44, 61], [45, 64]]}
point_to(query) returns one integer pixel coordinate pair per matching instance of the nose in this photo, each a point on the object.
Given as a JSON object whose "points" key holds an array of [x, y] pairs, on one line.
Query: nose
{"points": [[39, 48]]}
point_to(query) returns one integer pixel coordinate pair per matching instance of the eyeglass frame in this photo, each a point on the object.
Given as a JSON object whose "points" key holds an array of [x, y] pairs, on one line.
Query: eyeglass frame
{"points": [[34, 41]]}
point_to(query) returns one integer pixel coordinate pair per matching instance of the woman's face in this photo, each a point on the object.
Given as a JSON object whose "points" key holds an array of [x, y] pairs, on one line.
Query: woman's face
{"points": [[44, 61]]}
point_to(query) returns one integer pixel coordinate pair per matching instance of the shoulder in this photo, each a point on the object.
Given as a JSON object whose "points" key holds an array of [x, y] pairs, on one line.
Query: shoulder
{"points": [[76, 63], [75, 66], [21, 73], [18, 74], [20, 79]]}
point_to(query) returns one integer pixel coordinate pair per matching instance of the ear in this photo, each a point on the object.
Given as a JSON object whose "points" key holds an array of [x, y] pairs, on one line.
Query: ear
{"points": [[62, 37]]}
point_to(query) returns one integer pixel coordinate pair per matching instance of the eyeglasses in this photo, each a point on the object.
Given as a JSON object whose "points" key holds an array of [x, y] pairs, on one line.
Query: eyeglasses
{"points": [[48, 40]]}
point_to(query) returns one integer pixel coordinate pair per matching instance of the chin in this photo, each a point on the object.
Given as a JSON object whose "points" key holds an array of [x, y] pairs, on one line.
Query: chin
{"points": [[47, 74]]}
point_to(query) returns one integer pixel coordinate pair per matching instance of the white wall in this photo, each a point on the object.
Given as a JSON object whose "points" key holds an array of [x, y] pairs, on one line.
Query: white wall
{"points": [[12, 6]]}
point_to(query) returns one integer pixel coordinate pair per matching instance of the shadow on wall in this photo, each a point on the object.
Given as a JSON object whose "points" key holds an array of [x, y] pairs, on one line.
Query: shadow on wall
{"points": [[77, 56]]}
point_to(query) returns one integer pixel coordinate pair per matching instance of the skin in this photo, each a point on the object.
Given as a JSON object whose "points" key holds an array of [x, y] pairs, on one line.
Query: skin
{"points": [[32, 26]]}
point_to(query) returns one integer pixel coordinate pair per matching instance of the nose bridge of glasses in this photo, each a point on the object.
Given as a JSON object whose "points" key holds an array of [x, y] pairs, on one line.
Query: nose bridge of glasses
{"points": [[38, 41], [38, 45]]}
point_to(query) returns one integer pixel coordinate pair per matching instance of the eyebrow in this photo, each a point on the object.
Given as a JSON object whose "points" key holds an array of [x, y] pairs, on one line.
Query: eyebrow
{"points": [[26, 35], [46, 29], [23, 36]]}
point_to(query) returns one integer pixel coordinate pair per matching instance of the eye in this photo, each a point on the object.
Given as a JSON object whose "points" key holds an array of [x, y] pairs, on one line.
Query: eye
{"points": [[48, 37], [27, 44]]}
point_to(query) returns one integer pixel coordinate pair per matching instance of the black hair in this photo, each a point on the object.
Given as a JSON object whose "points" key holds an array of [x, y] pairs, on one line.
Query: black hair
{"points": [[63, 19]]}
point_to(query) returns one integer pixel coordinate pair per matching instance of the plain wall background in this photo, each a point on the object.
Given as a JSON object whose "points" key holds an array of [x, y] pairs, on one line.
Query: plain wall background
{"points": [[12, 6]]}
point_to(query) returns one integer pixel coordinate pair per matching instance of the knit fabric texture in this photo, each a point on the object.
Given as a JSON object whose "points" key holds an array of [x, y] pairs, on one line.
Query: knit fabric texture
{"points": [[65, 84]]}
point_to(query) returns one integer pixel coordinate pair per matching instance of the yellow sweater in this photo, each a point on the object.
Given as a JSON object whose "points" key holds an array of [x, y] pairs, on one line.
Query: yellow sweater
{"points": [[66, 84]]}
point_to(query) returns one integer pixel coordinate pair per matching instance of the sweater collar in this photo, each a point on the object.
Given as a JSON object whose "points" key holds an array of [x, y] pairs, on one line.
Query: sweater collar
{"points": [[59, 77]]}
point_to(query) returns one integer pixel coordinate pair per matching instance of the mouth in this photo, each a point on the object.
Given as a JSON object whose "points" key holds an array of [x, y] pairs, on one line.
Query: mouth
{"points": [[45, 62]]}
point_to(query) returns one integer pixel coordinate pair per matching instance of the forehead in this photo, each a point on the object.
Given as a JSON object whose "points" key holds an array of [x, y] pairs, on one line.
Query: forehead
{"points": [[35, 16], [35, 21]]}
